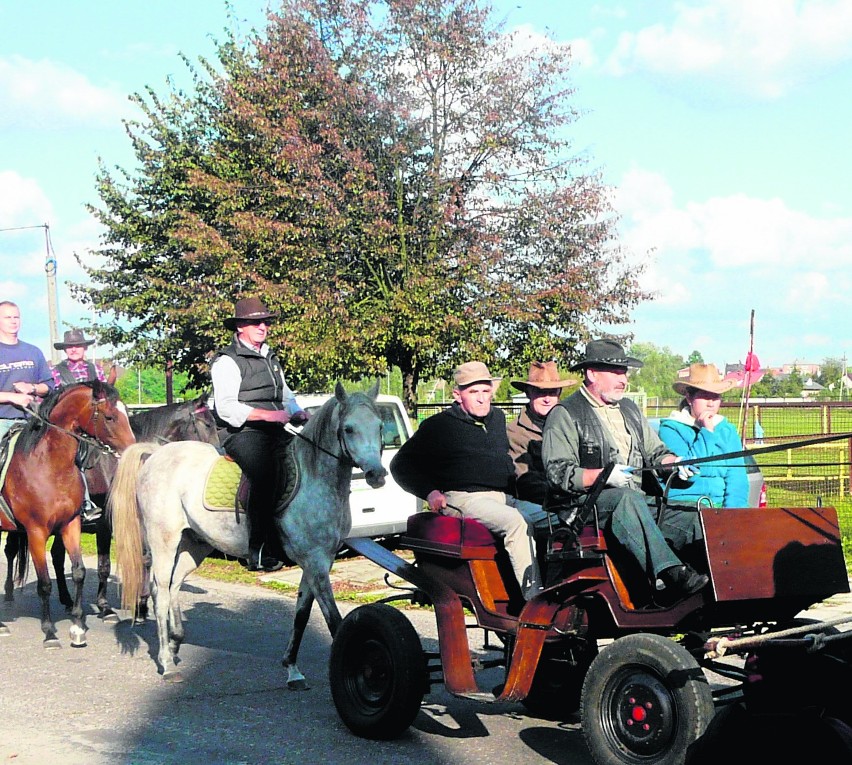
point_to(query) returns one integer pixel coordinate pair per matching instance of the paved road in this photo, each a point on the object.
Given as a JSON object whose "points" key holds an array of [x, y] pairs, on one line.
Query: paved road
{"points": [[106, 704]]}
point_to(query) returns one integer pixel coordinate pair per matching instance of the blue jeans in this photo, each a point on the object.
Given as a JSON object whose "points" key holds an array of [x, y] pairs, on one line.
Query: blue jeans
{"points": [[537, 517], [625, 512]]}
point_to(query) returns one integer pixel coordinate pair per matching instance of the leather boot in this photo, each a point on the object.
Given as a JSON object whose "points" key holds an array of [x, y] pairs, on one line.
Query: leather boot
{"points": [[684, 579]]}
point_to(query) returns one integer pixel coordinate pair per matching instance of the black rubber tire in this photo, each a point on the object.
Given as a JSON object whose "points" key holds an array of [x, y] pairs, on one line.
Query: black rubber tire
{"points": [[645, 701], [558, 682], [377, 672]]}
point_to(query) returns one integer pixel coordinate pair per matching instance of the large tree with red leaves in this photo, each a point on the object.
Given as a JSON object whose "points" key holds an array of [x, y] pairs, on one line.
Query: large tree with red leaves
{"points": [[395, 179]]}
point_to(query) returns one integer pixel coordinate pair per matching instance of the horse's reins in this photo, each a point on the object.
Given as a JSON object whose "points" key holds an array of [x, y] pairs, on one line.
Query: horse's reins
{"points": [[759, 450], [346, 453], [84, 438]]}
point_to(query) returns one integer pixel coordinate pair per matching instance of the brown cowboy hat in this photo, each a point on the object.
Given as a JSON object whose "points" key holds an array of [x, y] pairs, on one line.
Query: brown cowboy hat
{"points": [[73, 337], [605, 353], [542, 374], [249, 309], [702, 377]]}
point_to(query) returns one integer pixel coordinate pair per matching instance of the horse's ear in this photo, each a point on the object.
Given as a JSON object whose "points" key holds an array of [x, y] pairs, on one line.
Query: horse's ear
{"points": [[113, 375], [374, 391], [340, 392]]}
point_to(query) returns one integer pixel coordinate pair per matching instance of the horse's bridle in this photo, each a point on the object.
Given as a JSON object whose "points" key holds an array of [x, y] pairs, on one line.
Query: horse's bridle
{"points": [[341, 439], [84, 438]]}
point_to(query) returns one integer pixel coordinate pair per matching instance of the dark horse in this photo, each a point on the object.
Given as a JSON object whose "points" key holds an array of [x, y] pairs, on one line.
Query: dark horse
{"points": [[44, 488], [185, 421]]}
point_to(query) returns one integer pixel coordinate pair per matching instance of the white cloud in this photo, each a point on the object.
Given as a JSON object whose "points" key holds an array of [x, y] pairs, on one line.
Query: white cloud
{"points": [[761, 47], [22, 201], [49, 95]]}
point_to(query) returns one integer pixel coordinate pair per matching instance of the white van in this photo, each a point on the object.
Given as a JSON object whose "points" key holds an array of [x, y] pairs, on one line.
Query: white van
{"points": [[378, 512]]}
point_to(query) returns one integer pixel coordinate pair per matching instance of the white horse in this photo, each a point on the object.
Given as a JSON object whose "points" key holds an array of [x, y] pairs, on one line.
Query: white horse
{"points": [[158, 502]]}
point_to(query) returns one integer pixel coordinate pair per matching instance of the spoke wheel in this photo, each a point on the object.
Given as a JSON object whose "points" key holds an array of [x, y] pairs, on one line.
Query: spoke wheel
{"points": [[644, 702], [377, 672]]}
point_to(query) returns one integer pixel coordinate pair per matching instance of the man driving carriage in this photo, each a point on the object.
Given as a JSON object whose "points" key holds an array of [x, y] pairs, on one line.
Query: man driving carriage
{"points": [[596, 426]]}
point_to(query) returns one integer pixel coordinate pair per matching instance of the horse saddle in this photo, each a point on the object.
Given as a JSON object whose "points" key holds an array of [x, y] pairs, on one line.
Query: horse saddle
{"points": [[7, 448], [226, 488]]}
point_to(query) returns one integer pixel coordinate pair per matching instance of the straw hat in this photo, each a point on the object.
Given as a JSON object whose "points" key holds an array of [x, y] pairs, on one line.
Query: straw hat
{"points": [[702, 377], [542, 375]]}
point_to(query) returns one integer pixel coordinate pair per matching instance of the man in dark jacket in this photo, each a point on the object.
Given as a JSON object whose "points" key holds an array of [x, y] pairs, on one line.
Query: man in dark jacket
{"points": [[458, 461], [597, 426]]}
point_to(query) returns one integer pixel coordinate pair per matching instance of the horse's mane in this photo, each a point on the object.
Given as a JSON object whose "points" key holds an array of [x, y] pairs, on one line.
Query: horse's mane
{"points": [[322, 423], [37, 426]]}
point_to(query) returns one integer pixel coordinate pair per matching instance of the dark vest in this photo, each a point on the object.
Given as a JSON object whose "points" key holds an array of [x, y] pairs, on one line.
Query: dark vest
{"points": [[67, 376], [593, 437], [260, 380]]}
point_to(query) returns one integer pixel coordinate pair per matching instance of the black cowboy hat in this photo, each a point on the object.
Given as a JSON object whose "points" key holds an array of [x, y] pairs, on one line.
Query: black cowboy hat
{"points": [[73, 337], [249, 309], [605, 353]]}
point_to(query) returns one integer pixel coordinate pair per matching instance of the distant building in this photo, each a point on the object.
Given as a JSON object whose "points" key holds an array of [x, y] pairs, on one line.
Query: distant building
{"points": [[737, 373]]}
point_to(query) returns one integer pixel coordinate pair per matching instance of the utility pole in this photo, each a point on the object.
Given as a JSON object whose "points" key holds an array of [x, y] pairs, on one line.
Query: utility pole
{"points": [[50, 266]]}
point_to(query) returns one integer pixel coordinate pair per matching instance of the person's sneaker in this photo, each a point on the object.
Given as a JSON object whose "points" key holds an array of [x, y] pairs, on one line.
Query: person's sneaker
{"points": [[685, 579], [90, 512]]}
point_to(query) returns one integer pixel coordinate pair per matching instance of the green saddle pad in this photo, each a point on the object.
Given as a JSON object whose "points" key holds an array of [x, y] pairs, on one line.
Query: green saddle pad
{"points": [[223, 480], [220, 488]]}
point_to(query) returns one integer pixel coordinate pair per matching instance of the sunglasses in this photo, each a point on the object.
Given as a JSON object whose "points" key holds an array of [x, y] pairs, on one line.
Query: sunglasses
{"points": [[257, 323]]}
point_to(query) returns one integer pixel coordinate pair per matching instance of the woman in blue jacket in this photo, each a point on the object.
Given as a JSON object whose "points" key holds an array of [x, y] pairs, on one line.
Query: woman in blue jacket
{"points": [[697, 429]]}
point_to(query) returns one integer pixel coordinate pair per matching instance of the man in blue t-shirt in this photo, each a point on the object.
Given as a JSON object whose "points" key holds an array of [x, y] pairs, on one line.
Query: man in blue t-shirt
{"points": [[24, 373]]}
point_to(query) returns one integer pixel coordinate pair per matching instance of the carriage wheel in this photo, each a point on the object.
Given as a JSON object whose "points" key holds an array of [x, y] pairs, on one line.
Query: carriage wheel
{"points": [[645, 700], [377, 672], [558, 682]]}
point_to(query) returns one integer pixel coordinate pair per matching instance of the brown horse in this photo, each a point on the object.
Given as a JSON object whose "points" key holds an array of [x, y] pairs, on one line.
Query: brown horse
{"points": [[44, 487], [184, 421]]}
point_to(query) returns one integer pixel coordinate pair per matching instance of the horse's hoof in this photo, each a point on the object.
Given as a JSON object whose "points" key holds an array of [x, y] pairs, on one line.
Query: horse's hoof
{"points": [[4, 631], [51, 644], [108, 616], [79, 645], [173, 676], [298, 685], [138, 619]]}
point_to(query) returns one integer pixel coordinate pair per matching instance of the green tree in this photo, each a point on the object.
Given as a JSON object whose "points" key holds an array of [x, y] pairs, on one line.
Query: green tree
{"points": [[830, 372], [695, 358], [394, 178], [659, 370]]}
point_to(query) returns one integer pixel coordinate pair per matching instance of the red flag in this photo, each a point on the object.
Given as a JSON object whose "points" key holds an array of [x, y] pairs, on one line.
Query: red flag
{"points": [[752, 364]]}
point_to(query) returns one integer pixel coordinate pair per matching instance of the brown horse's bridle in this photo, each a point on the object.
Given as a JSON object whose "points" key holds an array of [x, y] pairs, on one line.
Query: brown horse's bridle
{"points": [[84, 438]]}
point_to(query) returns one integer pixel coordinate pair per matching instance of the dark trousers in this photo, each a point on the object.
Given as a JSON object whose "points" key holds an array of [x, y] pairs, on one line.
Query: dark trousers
{"points": [[633, 523], [259, 451]]}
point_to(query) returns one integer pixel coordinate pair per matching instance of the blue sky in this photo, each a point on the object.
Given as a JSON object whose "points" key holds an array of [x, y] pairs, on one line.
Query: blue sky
{"points": [[721, 125]]}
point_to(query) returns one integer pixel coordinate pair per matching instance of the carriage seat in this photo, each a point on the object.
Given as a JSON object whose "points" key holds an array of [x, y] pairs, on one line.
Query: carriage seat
{"points": [[463, 538]]}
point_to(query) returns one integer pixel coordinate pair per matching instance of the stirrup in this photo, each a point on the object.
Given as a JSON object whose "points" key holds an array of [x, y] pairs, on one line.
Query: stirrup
{"points": [[90, 512]]}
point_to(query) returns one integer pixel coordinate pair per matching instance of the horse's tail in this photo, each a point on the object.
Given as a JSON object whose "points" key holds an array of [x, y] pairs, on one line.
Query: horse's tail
{"points": [[126, 523]]}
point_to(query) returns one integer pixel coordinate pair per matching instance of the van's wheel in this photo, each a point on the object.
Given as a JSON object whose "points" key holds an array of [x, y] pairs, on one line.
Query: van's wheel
{"points": [[377, 672], [645, 700], [558, 682]]}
